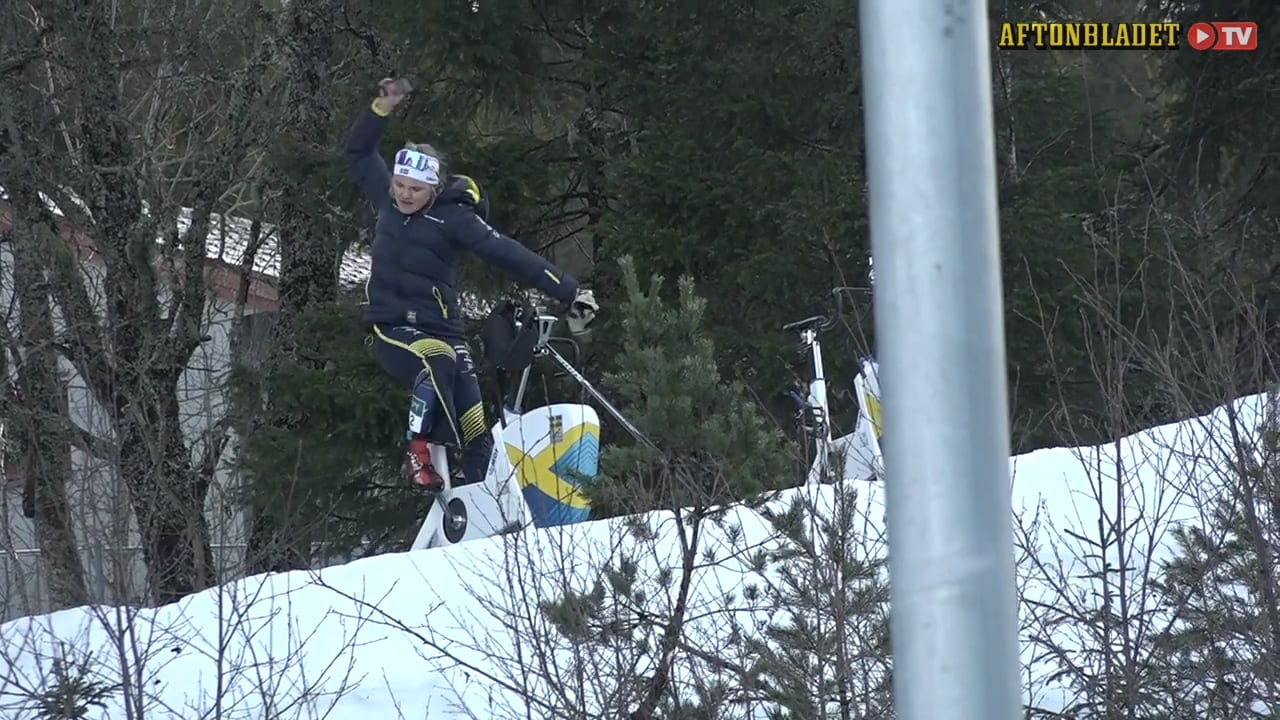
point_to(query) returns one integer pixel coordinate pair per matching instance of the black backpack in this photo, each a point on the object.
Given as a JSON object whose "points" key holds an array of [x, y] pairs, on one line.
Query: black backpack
{"points": [[505, 344], [472, 191]]}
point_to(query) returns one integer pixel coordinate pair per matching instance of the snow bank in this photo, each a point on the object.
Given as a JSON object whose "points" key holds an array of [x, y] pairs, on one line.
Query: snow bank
{"points": [[444, 633]]}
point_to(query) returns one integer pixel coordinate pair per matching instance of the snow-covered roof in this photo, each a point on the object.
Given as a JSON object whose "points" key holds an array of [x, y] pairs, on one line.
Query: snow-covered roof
{"points": [[231, 236]]}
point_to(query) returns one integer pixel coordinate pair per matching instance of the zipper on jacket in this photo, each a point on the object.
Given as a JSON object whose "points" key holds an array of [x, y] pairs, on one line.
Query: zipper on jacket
{"points": [[444, 310]]}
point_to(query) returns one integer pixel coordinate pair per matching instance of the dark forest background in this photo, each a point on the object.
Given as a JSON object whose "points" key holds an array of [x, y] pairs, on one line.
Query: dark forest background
{"points": [[718, 142]]}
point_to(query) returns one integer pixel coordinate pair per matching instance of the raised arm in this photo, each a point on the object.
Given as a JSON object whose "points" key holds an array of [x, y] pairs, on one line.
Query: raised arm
{"points": [[367, 167], [522, 264]]}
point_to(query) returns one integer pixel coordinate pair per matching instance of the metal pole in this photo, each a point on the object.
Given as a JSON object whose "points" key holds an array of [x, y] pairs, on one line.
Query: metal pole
{"points": [[938, 312]]}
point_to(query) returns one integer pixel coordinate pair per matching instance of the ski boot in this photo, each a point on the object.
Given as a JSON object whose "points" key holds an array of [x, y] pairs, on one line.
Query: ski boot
{"points": [[422, 473], [417, 467]]}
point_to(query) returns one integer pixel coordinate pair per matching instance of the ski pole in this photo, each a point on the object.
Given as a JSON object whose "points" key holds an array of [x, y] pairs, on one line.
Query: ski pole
{"points": [[573, 372]]}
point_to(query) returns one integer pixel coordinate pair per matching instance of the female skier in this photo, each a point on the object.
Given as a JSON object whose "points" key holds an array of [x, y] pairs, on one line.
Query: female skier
{"points": [[425, 220]]}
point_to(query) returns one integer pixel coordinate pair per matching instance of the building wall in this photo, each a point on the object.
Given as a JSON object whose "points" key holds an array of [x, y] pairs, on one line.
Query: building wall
{"points": [[104, 524]]}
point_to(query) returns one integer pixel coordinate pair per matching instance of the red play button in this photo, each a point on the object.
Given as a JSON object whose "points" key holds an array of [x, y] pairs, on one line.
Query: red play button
{"points": [[1201, 36]]}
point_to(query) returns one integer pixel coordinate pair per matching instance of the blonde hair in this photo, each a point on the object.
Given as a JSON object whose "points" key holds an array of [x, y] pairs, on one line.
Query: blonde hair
{"points": [[430, 149]]}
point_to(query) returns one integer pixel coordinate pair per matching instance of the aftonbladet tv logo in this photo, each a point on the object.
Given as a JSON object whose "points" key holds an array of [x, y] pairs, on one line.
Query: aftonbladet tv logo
{"points": [[1223, 35], [1216, 35]]}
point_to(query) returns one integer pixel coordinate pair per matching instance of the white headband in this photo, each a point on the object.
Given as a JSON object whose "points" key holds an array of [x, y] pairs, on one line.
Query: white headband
{"points": [[418, 165]]}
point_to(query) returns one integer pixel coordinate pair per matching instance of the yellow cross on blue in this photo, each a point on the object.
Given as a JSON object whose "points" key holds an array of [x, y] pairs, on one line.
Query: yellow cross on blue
{"points": [[550, 479]]}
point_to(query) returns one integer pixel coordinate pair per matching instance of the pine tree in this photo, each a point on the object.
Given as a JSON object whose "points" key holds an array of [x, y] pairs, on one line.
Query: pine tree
{"points": [[1222, 589], [744, 172], [826, 656], [712, 446], [327, 472]]}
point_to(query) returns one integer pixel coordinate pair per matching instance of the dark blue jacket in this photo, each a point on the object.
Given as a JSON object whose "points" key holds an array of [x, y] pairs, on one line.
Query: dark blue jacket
{"points": [[413, 278]]}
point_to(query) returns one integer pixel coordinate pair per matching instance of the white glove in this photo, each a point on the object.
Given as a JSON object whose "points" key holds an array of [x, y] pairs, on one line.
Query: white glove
{"points": [[582, 311]]}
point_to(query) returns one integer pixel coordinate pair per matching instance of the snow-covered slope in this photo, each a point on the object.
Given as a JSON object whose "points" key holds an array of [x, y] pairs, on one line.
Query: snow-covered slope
{"points": [[454, 633]]}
